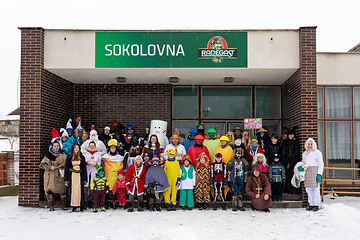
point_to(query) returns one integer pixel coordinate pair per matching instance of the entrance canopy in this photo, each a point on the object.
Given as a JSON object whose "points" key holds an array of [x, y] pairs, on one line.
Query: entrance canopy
{"points": [[253, 57]]}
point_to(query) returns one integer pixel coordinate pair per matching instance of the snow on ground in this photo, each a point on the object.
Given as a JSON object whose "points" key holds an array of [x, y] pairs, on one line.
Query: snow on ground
{"points": [[338, 219]]}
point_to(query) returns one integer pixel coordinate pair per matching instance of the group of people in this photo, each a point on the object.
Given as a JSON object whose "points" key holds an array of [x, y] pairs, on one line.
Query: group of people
{"points": [[101, 171]]}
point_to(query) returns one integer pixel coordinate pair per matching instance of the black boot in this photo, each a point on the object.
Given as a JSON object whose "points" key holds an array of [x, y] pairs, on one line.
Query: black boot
{"points": [[131, 208], [223, 206], [214, 206], [266, 210], [168, 207], [200, 205], [241, 208], [158, 208], [205, 206], [140, 206], [309, 208], [315, 208], [73, 209], [152, 208]]}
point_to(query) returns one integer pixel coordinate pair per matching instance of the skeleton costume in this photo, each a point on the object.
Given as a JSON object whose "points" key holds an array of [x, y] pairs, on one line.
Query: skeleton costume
{"points": [[217, 178]]}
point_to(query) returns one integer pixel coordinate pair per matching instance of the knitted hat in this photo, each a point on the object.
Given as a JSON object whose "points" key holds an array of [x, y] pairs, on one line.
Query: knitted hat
{"points": [[68, 124], [55, 135], [121, 172], [254, 138]]}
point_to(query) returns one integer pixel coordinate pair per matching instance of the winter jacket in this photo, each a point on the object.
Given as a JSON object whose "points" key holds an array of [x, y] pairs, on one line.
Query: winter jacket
{"points": [[276, 172], [271, 150], [235, 168]]}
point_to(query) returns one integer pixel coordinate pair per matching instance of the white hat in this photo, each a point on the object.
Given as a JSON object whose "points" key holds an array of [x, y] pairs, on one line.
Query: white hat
{"points": [[64, 132], [107, 127], [79, 126], [68, 125]]}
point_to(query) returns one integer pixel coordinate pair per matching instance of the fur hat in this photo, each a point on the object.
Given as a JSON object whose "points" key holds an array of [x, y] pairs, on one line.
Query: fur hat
{"points": [[203, 154]]}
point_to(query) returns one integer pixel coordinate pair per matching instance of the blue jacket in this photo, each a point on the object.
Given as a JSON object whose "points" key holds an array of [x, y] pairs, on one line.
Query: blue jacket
{"points": [[188, 144], [67, 145], [276, 172]]}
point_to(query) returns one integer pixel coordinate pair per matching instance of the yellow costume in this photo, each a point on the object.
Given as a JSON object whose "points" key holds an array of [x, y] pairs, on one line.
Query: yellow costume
{"points": [[111, 165], [172, 170]]}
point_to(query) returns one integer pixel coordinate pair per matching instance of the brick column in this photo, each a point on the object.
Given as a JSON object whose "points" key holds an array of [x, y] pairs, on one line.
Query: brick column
{"points": [[32, 63], [3, 170]]}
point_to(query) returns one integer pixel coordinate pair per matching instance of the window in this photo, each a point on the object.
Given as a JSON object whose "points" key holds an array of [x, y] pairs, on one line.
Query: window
{"points": [[268, 102], [356, 102], [320, 102], [184, 127], [185, 102], [338, 102]]}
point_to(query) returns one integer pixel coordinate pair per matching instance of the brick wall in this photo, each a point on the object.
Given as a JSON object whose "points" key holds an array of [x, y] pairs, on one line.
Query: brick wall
{"points": [[3, 170], [136, 104], [45, 102]]}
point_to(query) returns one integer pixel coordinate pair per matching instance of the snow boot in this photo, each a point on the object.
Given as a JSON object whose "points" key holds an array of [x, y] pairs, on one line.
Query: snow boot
{"points": [[140, 206], [315, 208], [223, 206], [95, 210], [131, 208], [200, 205], [102, 209], [158, 208], [168, 207], [51, 206], [205, 206], [214, 206], [152, 208], [309, 208], [173, 207], [241, 208], [73, 209]]}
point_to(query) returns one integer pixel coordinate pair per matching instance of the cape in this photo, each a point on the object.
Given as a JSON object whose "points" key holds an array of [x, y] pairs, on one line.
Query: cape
{"points": [[157, 175]]}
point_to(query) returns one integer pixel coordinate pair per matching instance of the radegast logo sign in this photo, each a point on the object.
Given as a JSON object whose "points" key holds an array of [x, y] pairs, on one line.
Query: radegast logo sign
{"points": [[177, 49], [217, 50]]}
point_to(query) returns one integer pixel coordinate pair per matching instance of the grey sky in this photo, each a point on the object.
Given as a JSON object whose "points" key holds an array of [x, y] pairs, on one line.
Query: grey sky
{"points": [[337, 22]]}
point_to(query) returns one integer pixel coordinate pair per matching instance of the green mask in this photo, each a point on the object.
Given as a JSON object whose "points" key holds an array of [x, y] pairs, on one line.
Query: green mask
{"points": [[101, 174]]}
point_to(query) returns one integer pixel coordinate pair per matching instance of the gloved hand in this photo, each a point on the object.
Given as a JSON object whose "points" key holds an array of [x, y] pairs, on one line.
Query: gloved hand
{"points": [[318, 178], [301, 168], [178, 183]]}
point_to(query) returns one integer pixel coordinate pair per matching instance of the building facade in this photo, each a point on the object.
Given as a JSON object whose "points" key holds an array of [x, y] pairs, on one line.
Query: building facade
{"points": [[216, 78]]}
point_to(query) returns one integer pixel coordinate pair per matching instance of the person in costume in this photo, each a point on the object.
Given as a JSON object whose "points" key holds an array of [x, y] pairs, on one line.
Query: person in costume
{"points": [[99, 187], [92, 159], [77, 121], [253, 149], [276, 174], [218, 180], [198, 148], [230, 136], [260, 159], [53, 163], [273, 148], [313, 159], [130, 131], [75, 177], [237, 170], [92, 127], [190, 140], [135, 181], [81, 134], [119, 190], [200, 129], [105, 137], [156, 182], [172, 170], [153, 147], [188, 180], [112, 162], [179, 148], [263, 139], [237, 133], [290, 157], [212, 143], [246, 140], [239, 144], [133, 149], [202, 185], [117, 127], [99, 144], [177, 132], [66, 142], [258, 189]]}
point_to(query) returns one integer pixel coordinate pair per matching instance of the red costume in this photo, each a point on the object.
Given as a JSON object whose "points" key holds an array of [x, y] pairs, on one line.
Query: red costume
{"points": [[133, 179], [194, 153], [120, 191]]}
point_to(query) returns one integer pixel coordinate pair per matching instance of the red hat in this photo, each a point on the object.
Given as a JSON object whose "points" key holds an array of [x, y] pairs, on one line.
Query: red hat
{"points": [[186, 157], [199, 137], [121, 172], [55, 135]]}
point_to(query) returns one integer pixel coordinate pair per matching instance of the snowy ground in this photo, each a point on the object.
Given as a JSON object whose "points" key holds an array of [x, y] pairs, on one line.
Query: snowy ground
{"points": [[338, 219]]}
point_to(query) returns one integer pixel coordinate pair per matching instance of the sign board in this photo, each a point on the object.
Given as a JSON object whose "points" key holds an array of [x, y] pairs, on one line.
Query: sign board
{"points": [[252, 123], [171, 49]]}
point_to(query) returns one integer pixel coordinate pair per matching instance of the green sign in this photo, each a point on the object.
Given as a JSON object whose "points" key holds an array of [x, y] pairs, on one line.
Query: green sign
{"points": [[170, 49]]}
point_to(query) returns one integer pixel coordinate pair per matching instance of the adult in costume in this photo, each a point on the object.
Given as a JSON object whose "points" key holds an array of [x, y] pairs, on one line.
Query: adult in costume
{"points": [[212, 143], [197, 149]]}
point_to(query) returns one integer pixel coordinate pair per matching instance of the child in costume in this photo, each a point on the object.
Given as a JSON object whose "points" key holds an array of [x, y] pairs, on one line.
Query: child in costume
{"points": [[237, 169], [172, 170], [187, 183], [99, 187], [202, 186], [253, 149], [218, 180], [261, 160], [135, 180], [156, 182], [313, 159], [119, 190], [276, 177]]}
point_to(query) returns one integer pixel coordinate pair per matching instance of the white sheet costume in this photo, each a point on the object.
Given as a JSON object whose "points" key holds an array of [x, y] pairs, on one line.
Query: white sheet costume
{"points": [[100, 146]]}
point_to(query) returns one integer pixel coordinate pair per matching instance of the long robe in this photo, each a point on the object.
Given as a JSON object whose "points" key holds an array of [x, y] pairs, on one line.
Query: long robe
{"points": [[172, 170], [252, 184], [111, 165], [194, 153], [212, 145]]}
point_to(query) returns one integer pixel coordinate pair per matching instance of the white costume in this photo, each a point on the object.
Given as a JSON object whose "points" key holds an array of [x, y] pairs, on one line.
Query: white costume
{"points": [[91, 170], [188, 183], [100, 146], [180, 151], [314, 160], [158, 127]]}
